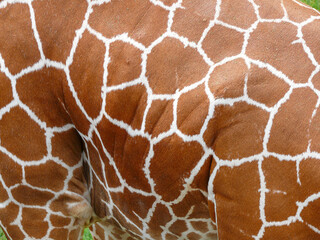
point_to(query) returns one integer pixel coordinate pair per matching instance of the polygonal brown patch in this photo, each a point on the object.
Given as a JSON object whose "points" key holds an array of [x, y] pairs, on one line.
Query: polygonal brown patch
{"points": [[171, 66], [10, 171], [16, 130], [264, 87], [231, 13], [172, 162], [86, 73], [159, 117], [192, 110], [160, 218], [49, 175], [7, 216], [59, 233], [222, 42], [124, 64], [18, 46], [298, 13], [33, 222], [142, 20], [311, 35], [290, 129], [310, 213], [237, 197], [55, 26], [58, 221], [127, 105], [191, 20], [41, 89], [5, 90], [236, 131], [29, 196], [178, 227], [272, 43], [227, 80], [270, 9]]}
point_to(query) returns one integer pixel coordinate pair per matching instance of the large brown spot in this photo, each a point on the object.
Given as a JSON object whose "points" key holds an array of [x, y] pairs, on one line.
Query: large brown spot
{"points": [[124, 64], [22, 136], [222, 42], [59, 221], [311, 35], [160, 218], [49, 175], [30, 196], [57, 21], [18, 46], [33, 222], [264, 87], [237, 197], [240, 15], [171, 66], [42, 92], [227, 80], [59, 233], [272, 43], [159, 117], [5, 90], [10, 171], [142, 20], [86, 73], [290, 129], [298, 13], [67, 147], [127, 105], [192, 110], [191, 20], [128, 153], [172, 162], [270, 9], [236, 131]]}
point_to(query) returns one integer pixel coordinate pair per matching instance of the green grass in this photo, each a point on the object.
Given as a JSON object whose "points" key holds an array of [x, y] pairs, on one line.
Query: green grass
{"points": [[313, 3], [2, 236]]}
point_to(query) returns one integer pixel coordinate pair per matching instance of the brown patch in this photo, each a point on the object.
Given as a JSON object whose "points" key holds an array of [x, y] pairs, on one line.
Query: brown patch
{"points": [[178, 227], [86, 73], [272, 43], [240, 15], [194, 203], [264, 87], [74, 234], [41, 89], [18, 46], [311, 35], [310, 214], [295, 230], [316, 81], [127, 105], [128, 153], [67, 147], [298, 13], [171, 66], [125, 63], [33, 222], [3, 193], [132, 205], [58, 221], [237, 197], [270, 9], [55, 26], [49, 175], [160, 218], [314, 132], [191, 20], [7, 216], [142, 20], [14, 232], [30, 196], [5, 90], [222, 42], [192, 110], [10, 171], [236, 131], [59, 233], [99, 198], [290, 129], [16, 130], [202, 178], [200, 226], [194, 236], [227, 80], [172, 162], [159, 117]]}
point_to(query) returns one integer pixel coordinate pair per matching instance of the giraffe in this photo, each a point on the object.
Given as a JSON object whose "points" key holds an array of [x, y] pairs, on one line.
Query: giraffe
{"points": [[159, 119]]}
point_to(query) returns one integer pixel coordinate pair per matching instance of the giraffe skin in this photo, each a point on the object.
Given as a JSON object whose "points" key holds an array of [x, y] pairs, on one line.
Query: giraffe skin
{"points": [[159, 119]]}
